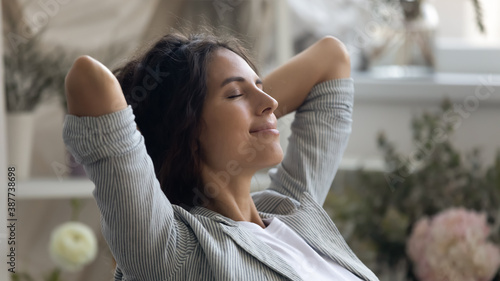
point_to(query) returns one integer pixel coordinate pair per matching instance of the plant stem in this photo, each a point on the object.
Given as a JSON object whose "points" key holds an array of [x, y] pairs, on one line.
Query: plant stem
{"points": [[479, 15], [76, 206]]}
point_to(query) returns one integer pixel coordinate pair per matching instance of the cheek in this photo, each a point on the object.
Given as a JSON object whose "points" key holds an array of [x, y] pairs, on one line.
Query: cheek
{"points": [[225, 131]]}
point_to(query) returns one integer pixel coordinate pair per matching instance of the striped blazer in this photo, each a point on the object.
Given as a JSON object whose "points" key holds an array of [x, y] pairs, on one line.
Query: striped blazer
{"points": [[152, 239]]}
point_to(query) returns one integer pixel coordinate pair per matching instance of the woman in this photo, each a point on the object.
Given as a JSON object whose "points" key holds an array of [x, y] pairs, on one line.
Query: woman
{"points": [[173, 186]]}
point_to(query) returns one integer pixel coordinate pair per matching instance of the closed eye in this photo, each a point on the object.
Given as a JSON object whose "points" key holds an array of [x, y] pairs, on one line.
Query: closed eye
{"points": [[258, 83]]}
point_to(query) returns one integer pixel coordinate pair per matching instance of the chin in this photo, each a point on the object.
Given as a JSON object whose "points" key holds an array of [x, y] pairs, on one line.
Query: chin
{"points": [[277, 158], [267, 157]]}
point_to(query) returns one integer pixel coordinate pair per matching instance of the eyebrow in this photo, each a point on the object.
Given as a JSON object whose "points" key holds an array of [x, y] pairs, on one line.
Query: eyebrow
{"points": [[237, 79]]}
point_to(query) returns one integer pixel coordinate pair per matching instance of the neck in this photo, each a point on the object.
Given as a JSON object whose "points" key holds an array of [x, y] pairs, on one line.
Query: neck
{"points": [[231, 196]]}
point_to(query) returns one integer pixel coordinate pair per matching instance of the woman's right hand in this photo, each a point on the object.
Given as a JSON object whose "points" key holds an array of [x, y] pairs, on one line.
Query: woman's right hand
{"points": [[92, 89]]}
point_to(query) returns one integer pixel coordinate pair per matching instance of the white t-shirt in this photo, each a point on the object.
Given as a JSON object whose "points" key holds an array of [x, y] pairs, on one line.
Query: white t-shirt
{"points": [[297, 253]]}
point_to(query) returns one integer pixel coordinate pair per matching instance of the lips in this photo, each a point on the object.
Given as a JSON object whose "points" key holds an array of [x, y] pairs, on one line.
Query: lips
{"points": [[266, 126]]}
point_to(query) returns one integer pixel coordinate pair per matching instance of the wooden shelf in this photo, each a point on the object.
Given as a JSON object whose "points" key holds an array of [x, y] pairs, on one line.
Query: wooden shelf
{"points": [[52, 188], [429, 88], [353, 164]]}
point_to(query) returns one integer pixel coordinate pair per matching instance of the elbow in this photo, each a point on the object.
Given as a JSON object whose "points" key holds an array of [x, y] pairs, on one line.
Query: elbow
{"points": [[91, 89], [77, 81], [76, 76], [335, 48], [338, 63]]}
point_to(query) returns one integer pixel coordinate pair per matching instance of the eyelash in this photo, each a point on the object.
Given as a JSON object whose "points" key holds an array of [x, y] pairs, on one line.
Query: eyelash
{"points": [[235, 96]]}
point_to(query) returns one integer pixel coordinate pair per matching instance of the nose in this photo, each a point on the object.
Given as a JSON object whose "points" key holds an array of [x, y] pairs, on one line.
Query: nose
{"points": [[266, 104]]}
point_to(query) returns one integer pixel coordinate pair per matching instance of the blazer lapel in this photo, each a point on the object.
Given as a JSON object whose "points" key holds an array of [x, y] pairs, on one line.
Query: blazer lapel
{"points": [[304, 220], [250, 244], [332, 246], [260, 251]]}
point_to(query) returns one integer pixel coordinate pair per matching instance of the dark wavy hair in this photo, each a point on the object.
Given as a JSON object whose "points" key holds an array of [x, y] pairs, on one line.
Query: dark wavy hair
{"points": [[166, 87]]}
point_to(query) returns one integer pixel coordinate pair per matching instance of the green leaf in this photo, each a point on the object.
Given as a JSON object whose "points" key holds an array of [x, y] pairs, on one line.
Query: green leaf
{"points": [[54, 275], [21, 276]]}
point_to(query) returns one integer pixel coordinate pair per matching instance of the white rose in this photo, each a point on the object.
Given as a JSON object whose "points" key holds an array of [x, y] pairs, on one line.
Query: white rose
{"points": [[73, 245]]}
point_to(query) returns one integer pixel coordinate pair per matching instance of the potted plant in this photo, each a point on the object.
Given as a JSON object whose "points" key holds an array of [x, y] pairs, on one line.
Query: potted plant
{"points": [[403, 39], [31, 75]]}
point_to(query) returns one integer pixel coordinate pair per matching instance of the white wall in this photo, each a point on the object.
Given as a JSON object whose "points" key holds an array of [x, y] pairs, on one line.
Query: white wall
{"points": [[458, 20], [394, 119]]}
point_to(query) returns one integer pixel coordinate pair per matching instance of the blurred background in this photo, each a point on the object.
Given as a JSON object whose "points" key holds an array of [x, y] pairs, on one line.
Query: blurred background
{"points": [[425, 126]]}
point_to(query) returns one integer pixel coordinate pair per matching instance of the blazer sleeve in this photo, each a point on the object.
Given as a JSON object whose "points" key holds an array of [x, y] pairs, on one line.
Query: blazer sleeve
{"points": [[137, 220], [320, 132]]}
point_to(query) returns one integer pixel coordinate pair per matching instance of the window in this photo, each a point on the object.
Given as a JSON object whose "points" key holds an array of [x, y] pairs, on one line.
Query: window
{"points": [[458, 36]]}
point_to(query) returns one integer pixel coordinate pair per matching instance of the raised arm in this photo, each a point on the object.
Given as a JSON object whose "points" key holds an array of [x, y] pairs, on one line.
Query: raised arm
{"points": [[136, 218], [290, 84], [317, 84]]}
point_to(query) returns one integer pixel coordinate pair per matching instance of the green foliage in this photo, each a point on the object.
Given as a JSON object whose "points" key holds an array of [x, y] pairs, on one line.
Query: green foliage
{"points": [[379, 208], [22, 276], [32, 74], [35, 70], [76, 207], [54, 275]]}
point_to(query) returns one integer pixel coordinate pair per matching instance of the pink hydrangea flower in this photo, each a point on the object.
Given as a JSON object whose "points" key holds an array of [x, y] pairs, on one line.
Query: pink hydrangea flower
{"points": [[453, 246]]}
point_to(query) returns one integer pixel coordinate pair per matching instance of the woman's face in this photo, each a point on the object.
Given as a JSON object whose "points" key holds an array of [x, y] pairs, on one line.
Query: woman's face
{"points": [[236, 106]]}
